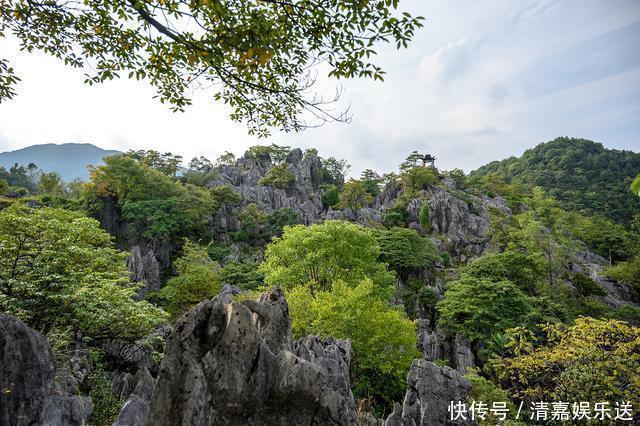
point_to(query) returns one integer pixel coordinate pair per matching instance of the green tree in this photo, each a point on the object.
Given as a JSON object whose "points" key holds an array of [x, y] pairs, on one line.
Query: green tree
{"points": [[405, 251], [330, 195], [50, 183], [479, 307], [166, 162], [371, 181], [508, 265], [383, 338], [256, 53], [354, 196], [252, 224], [319, 255], [197, 280], [59, 271], [278, 219], [415, 179], [335, 171], [244, 275]]}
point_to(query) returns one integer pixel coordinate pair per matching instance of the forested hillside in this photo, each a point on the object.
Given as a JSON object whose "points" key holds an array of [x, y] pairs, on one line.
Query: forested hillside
{"points": [[269, 289], [583, 175]]}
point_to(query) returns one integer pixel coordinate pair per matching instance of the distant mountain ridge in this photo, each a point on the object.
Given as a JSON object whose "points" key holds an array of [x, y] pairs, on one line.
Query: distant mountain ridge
{"points": [[583, 175], [70, 160]]}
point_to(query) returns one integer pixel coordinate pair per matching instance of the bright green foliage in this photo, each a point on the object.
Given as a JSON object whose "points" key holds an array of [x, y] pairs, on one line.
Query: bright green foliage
{"points": [[256, 54], [244, 275], [330, 196], [166, 162], [371, 182], [197, 280], [423, 215], [383, 339], [415, 179], [4, 187], [593, 360], [508, 265], [354, 196], [318, 255], [198, 178], [458, 176], [278, 219], [635, 186], [404, 250], [50, 183], [128, 180], [583, 175], [605, 237], [59, 270], [278, 176], [628, 272], [479, 307]]}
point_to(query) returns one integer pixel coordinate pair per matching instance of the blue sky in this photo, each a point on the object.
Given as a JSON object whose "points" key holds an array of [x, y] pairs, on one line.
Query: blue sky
{"points": [[482, 81]]}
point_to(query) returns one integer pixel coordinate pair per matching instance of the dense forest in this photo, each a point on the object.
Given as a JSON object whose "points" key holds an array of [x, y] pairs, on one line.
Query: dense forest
{"points": [[582, 175], [487, 275]]}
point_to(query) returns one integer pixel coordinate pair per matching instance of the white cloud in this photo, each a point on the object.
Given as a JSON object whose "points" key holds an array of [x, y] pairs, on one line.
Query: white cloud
{"points": [[468, 90]]}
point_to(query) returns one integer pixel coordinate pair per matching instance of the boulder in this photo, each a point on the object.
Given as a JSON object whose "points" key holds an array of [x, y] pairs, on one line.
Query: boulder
{"points": [[234, 363], [430, 391]]}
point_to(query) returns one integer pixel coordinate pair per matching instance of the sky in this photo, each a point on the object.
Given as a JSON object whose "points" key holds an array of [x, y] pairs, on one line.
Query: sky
{"points": [[480, 82]]}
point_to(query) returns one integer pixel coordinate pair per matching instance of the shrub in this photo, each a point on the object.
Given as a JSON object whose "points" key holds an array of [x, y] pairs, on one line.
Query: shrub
{"points": [[479, 307], [59, 270], [404, 250], [197, 280], [278, 176], [586, 286], [244, 275], [330, 196], [425, 219]]}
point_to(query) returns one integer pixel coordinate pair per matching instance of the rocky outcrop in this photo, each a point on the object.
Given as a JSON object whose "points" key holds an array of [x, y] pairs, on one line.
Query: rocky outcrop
{"points": [[26, 373], [31, 393], [430, 390], [232, 363], [144, 269], [437, 345], [303, 195]]}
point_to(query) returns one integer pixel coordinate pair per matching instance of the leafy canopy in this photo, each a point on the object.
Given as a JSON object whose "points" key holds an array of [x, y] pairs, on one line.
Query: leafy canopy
{"points": [[383, 338], [197, 280], [260, 55], [59, 270], [321, 254], [479, 307]]}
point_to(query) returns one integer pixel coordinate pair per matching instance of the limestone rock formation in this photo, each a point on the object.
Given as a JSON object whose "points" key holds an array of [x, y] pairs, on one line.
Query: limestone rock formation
{"points": [[236, 364], [144, 269], [29, 395], [430, 389], [26, 372]]}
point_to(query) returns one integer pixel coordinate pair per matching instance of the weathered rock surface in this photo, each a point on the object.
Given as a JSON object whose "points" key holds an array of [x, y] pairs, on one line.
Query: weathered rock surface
{"points": [[29, 395], [436, 345], [236, 364], [26, 373], [144, 269], [430, 390]]}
